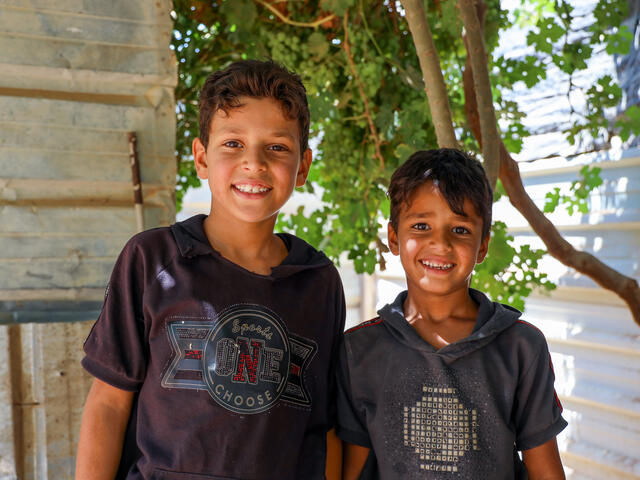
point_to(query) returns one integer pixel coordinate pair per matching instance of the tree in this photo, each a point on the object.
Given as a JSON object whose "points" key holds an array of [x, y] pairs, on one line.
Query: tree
{"points": [[363, 64]]}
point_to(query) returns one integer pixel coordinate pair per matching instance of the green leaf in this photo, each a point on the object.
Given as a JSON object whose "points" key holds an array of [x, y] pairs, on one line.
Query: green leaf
{"points": [[619, 43], [318, 45], [629, 122], [339, 7], [552, 200], [548, 33], [241, 13]]}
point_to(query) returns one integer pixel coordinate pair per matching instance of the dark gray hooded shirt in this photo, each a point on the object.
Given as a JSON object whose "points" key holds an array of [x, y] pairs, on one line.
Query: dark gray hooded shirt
{"points": [[459, 412], [233, 372]]}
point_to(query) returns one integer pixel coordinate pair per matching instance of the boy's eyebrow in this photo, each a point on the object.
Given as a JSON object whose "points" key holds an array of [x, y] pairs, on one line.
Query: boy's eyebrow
{"points": [[239, 131], [285, 134], [431, 214]]}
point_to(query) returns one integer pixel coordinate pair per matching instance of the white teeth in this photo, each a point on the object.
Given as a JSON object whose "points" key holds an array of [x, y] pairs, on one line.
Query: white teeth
{"points": [[439, 266], [251, 188]]}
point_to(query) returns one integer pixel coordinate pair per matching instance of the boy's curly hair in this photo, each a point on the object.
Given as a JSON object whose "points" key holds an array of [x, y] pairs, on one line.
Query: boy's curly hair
{"points": [[458, 176], [259, 79]]}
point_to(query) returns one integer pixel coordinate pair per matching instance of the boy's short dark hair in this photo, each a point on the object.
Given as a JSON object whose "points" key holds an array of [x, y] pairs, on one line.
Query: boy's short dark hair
{"points": [[457, 175], [259, 79]]}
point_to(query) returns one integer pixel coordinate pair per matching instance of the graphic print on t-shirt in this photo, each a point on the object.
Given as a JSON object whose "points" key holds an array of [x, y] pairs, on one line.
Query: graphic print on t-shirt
{"points": [[246, 359], [439, 428]]}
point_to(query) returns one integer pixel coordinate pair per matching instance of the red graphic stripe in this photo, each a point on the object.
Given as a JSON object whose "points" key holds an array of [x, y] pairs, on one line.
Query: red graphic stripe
{"points": [[557, 400], [529, 325], [368, 323], [554, 390]]}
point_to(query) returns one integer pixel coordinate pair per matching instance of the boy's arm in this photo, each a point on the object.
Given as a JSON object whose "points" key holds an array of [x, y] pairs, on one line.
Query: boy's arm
{"points": [[543, 462], [354, 458], [104, 421], [333, 470]]}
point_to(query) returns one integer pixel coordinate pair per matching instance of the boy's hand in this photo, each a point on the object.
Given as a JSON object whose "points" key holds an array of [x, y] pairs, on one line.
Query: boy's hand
{"points": [[543, 462], [105, 418]]}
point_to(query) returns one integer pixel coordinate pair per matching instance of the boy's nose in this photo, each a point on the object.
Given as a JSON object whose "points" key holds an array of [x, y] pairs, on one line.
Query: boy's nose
{"points": [[254, 160], [441, 241]]}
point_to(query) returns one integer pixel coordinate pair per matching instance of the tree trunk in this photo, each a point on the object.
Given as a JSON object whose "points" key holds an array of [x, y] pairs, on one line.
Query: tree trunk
{"points": [[434, 85], [477, 57]]}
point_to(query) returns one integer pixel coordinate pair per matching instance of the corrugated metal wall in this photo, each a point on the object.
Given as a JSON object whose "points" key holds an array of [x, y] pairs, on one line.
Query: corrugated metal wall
{"points": [[76, 77], [594, 341]]}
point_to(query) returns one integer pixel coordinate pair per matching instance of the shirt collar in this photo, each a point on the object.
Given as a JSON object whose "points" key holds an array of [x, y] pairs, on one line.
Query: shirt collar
{"points": [[190, 237], [192, 242]]}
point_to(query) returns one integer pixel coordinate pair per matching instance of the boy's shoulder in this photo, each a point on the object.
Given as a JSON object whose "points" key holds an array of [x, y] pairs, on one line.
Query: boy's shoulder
{"points": [[183, 237], [368, 323], [525, 331], [368, 339], [303, 253], [148, 253]]}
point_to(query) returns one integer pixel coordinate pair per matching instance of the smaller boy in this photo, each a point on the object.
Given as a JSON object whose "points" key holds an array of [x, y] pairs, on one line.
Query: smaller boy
{"points": [[214, 353], [445, 383]]}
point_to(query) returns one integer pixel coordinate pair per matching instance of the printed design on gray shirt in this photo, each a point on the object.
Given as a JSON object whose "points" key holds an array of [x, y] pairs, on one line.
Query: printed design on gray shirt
{"points": [[440, 429], [246, 359]]}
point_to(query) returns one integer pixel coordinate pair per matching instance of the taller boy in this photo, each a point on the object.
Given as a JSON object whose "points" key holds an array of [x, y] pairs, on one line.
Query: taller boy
{"points": [[213, 354]]}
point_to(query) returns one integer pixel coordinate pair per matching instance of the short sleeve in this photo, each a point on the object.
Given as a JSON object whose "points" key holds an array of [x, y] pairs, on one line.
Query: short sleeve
{"points": [[115, 348], [351, 422], [538, 412]]}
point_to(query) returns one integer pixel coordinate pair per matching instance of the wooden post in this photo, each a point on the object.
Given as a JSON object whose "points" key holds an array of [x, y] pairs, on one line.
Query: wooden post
{"points": [[137, 185]]}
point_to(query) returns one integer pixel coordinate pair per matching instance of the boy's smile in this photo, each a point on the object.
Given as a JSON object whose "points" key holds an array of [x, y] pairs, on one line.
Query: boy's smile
{"points": [[438, 248], [252, 162]]}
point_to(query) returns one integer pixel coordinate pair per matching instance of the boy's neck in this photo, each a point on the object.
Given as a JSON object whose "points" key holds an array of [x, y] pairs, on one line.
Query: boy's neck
{"points": [[252, 246], [441, 319]]}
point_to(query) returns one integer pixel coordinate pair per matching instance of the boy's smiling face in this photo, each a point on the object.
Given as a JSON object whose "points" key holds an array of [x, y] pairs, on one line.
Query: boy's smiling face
{"points": [[252, 162], [438, 248]]}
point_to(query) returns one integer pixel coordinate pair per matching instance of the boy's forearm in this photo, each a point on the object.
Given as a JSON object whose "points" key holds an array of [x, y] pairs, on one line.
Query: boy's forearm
{"points": [[354, 458], [543, 462], [104, 421], [333, 470]]}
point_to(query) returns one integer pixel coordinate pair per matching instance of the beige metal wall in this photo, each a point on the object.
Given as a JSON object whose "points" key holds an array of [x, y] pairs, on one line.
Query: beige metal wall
{"points": [[75, 77]]}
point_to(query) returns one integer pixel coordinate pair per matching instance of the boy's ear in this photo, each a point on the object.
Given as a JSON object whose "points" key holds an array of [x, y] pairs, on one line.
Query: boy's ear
{"points": [[303, 168], [484, 248], [392, 239], [200, 158]]}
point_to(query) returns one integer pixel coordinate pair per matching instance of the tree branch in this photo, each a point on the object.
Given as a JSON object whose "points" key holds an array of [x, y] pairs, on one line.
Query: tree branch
{"points": [[288, 21], [476, 52], [367, 111], [434, 85], [509, 173], [625, 287]]}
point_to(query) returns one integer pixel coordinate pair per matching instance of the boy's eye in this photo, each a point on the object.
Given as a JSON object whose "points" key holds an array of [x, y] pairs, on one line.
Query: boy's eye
{"points": [[420, 226], [278, 148], [460, 230], [232, 144]]}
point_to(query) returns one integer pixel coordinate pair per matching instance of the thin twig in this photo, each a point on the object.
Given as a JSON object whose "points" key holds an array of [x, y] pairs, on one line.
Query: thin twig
{"points": [[288, 21], [367, 111], [377, 47]]}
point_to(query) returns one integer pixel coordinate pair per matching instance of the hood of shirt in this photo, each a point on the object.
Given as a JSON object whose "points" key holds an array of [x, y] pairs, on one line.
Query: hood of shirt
{"points": [[493, 318], [192, 241]]}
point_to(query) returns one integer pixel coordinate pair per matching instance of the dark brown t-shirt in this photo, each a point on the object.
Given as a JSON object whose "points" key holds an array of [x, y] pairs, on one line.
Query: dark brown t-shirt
{"points": [[233, 371]]}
